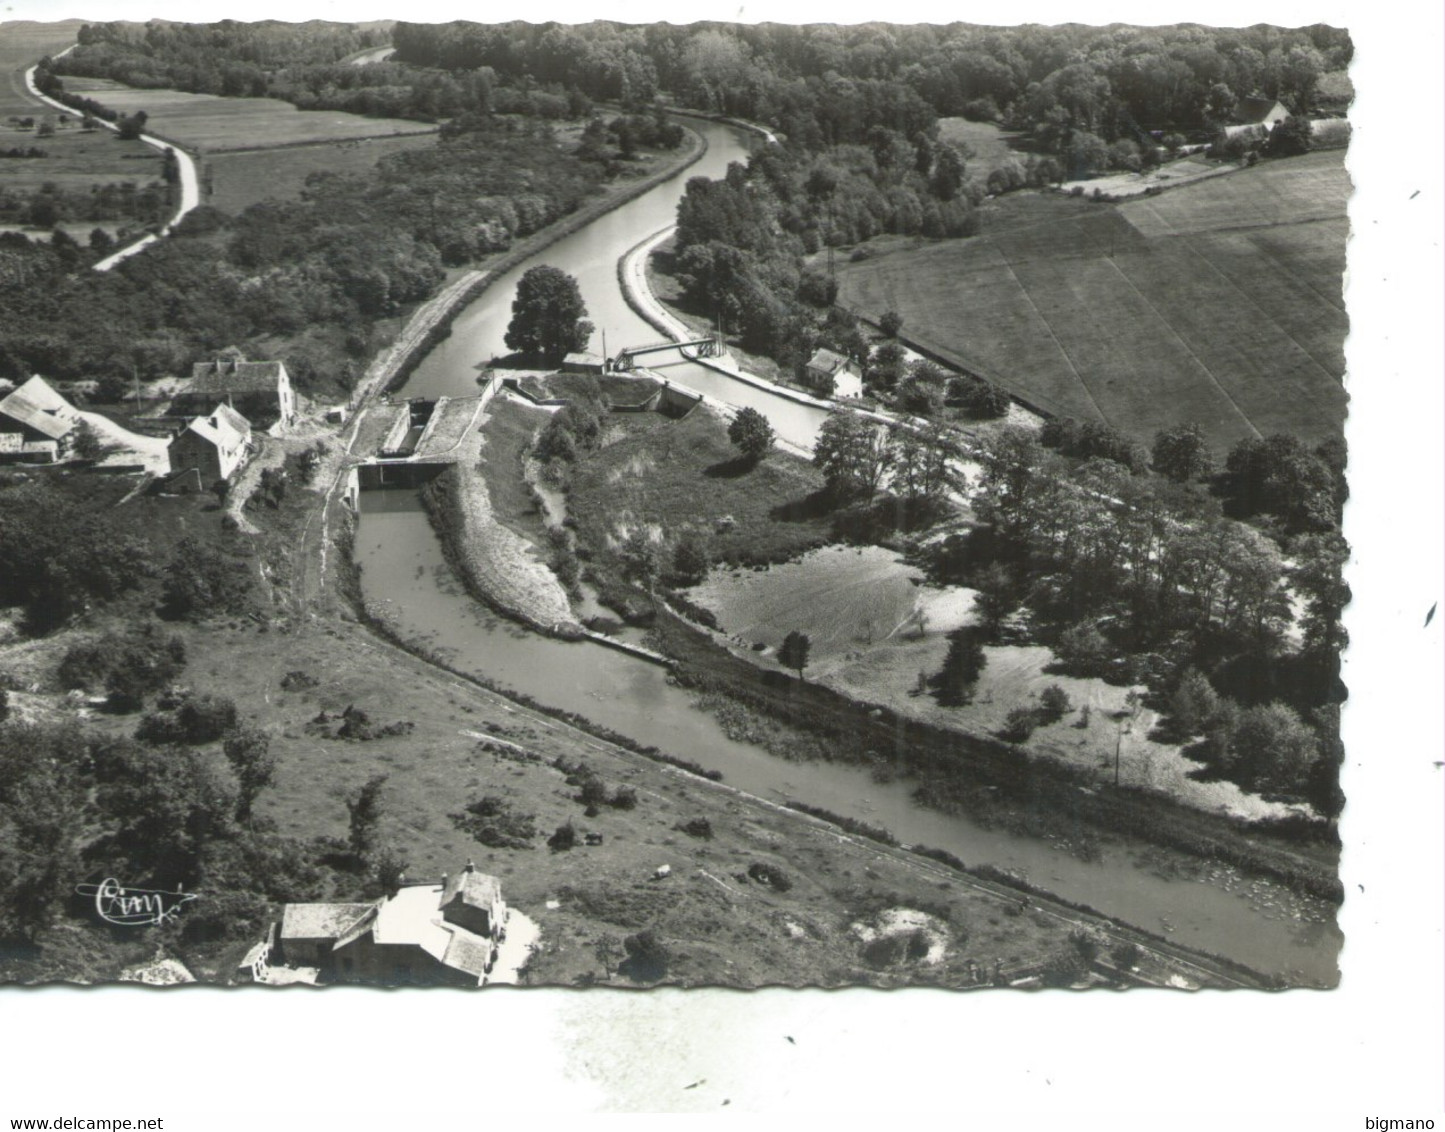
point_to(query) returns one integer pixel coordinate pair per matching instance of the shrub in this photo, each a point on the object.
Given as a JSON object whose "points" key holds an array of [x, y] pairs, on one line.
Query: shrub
{"points": [[492, 821], [770, 875], [197, 719], [1054, 703], [647, 956], [698, 827], [1019, 724], [564, 837]]}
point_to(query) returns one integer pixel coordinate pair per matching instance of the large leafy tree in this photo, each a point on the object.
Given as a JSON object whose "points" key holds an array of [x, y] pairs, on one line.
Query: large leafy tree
{"points": [[853, 454], [1182, 453], [751, 434], [548, 315]]}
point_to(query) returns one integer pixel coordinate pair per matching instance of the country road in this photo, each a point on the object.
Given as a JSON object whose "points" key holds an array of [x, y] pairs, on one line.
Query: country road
{"points": [[190, 181]]}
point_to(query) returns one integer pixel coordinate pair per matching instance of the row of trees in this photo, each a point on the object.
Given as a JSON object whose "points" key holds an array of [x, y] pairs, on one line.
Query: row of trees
{"points": [[826, 84]]}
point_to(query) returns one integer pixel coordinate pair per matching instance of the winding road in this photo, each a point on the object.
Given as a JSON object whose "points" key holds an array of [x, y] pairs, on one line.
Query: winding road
{"points": [[189, 180]]}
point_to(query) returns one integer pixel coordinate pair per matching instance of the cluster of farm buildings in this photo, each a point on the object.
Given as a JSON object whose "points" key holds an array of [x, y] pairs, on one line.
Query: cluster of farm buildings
{"points": [[209, 421]]}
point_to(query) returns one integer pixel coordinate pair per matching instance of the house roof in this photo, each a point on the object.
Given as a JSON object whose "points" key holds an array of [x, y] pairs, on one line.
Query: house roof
{"points": [[1253, 111], [229, 374], [471, 887], [827, 361], [220, 428], [37, 406], [233, 419], [320, 921], [412, 918]]}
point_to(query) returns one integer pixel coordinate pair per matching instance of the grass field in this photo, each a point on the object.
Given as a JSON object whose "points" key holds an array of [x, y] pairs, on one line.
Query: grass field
{"points": [[679, 475], [233, 182], [209, 122], [73, 159], [990, 145], [1218, 303]]}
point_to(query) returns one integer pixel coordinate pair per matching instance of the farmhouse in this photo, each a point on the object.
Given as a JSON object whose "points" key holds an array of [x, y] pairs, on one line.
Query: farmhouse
{"points": [[214, 445], [420, 934], [34, 422], [260, 390], [1257, 115], [834, 374]]}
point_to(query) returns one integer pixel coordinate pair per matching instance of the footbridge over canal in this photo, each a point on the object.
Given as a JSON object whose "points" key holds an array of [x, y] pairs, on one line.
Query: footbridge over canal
{"points": [[695, 348], [408, 443]]}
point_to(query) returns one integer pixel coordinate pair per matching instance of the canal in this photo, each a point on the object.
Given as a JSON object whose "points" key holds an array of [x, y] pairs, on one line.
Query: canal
{"points": [[403, 568]]}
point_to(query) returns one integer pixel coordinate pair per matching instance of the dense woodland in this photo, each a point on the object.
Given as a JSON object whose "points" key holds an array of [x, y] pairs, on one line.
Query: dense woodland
{"points": [[317, 272]]}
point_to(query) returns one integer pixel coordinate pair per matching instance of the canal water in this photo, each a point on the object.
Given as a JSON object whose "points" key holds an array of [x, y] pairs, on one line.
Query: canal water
{"points": [[402, 567]]}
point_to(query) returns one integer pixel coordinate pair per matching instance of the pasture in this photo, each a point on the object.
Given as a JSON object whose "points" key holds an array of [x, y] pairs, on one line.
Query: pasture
{"points": [[990, 145], [234, 181], [208, 122], [73, 158], [1219, 303]]}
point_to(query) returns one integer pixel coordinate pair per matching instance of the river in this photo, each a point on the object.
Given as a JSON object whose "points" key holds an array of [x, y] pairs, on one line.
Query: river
{"points": [[403, 568]]}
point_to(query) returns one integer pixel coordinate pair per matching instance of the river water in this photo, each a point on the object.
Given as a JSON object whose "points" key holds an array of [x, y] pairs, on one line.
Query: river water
{"points": [[403, 568]]}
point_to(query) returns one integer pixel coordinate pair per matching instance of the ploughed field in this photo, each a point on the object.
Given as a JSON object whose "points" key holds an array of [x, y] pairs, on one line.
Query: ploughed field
{"points": [[1219, 303]]}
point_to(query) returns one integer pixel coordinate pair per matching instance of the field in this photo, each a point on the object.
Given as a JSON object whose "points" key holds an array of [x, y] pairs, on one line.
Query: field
{"points": [[73, 159], [680, 475], [234, 181], [208, 122], [1218, 303], [990, 145]]}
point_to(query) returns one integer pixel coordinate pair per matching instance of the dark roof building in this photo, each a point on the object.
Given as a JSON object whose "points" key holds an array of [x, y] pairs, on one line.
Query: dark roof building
{"points": [[260, 390]]}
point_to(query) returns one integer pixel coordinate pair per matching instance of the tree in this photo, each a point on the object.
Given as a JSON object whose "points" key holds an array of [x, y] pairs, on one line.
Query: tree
{"points": [[964, 662], [853, 454], [548, 315], [890, 322], [365, 811], [647, 956], [794, 651], [751, 434], [1054, 703], [42, 801], [608, 950], [248, 750], [1182, 453], [1290, 138], [1273, 748], [1194, 703], [643, 560], [690, 560]]}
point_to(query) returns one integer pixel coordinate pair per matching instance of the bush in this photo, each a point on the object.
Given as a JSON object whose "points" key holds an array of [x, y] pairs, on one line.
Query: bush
{"points": [[647, 956], [563, 838], [700, 828], [1019, 724], [770, 875], [492, 821], [1054, 703], [129, 666], [197, 719]]}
